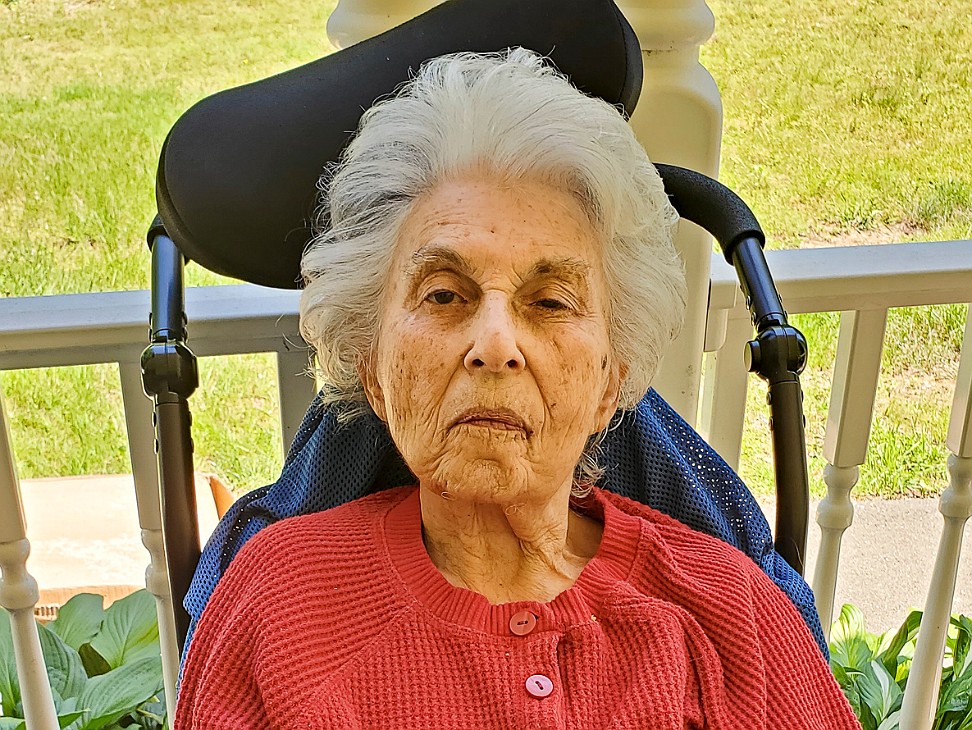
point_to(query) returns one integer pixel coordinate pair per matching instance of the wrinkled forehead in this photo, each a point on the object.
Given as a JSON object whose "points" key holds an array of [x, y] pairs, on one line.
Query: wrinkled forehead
{"points": [[480, 226]]}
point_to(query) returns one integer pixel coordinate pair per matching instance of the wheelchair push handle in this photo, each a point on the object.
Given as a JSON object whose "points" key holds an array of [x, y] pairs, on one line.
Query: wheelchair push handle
{"points": [[169, 377], [711, 205], [778, 353]]}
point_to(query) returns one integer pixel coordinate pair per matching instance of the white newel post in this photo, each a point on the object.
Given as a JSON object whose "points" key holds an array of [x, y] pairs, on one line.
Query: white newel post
{"points": [[354, 20], [148, 500], [679, 121], [856, 370], [19, 594], [723, 410], [921, 694]]}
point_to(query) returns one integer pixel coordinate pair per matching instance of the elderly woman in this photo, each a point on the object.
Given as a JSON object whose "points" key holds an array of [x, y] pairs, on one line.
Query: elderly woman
{"points": [[495, 277]]}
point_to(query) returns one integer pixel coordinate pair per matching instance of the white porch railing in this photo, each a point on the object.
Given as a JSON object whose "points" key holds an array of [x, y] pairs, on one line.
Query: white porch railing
{"points": [[112, 328], [861, 282]]}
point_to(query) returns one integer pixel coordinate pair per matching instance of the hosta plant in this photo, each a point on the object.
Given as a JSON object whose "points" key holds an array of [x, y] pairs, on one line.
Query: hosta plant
{"points": [[873, 670], [104, 666]]}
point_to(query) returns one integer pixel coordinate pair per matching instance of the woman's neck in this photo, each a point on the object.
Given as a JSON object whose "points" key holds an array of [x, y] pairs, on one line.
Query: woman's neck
{"points": [[531, 551]]}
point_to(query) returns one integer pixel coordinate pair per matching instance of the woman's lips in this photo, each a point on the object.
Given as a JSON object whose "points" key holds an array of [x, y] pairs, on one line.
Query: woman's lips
{"points": [[501, 419]]}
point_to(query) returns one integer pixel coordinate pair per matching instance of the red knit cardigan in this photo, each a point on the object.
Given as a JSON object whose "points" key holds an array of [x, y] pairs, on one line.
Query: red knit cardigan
{"points": [[339, 620]]}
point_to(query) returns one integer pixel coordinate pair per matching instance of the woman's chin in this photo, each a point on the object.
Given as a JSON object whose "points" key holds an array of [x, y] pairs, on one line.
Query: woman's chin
{"points": [[492, 479]]}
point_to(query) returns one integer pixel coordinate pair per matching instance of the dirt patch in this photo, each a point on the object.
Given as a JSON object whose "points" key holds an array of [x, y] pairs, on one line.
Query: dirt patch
{"points": [[922, 387], [882, 234]]}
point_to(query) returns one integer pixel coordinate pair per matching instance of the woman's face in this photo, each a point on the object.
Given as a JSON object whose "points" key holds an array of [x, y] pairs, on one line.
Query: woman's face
{"points": [[493, 364]]}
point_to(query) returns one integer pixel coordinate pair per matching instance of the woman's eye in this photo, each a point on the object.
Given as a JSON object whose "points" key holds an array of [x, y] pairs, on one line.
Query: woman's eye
{"points": [[442, 297], [553, 304]]}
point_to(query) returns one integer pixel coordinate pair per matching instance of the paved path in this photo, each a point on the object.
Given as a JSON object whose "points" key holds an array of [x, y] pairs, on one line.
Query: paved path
{"points": [[887, 557], [84, 532]]}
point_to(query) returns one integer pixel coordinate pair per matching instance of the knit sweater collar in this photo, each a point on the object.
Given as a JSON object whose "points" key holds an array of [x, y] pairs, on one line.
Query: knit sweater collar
{"points": [[579, 604]]}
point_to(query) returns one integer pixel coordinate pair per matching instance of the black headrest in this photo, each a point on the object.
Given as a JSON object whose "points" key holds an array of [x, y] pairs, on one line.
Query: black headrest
{"points": [[236, 185]]}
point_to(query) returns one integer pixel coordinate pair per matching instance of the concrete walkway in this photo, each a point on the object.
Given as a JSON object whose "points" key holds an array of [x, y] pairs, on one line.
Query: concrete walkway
{"points": [[887, 557], [84, 532]]}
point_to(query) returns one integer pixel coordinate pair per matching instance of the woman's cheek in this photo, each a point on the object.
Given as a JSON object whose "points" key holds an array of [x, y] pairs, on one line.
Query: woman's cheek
{"points": [[413, 383]]}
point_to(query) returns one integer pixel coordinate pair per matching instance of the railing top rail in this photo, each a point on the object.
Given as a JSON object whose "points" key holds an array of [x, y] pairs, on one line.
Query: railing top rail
{"points": [[838, 279], [76, 329]]}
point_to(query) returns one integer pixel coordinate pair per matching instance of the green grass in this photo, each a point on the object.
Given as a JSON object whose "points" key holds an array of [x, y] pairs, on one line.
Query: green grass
{"points": [[839, 117], [846, 117], [88, 92]]}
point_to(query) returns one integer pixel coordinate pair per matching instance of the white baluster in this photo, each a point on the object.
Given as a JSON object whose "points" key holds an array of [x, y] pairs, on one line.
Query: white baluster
{"points": [[354, 20], [679, 121], [141, 440], [921, 694], [835, 514], [19, 594], [856, 371], [296, 388]]}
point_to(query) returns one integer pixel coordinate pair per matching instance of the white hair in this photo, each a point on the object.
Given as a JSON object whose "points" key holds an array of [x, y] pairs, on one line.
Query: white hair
{"points": [[514, 116]]}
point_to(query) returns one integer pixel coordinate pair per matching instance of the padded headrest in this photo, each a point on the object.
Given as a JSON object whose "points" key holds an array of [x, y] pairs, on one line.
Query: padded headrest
{"points": [[237, 177]]}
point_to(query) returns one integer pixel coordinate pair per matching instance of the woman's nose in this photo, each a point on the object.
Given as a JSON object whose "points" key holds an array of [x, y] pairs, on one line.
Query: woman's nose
{"points": [[494, 346]]}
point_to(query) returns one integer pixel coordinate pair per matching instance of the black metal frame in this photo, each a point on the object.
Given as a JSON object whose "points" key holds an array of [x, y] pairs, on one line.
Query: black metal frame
{"points": [[777, 354], [170, 376]]}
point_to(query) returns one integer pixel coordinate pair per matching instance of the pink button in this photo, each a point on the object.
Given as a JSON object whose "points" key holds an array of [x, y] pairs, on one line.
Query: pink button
{"points": [[539, 686], [522, 623]]}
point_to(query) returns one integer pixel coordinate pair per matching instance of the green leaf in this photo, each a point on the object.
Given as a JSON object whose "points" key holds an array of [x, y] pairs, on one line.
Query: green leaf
{"points": [[79, 619], [961, 644], [94, 663], [150, 716], [63, 720], [12, 723], [879, 692], [849, 624], [120, 691], [966, 723], [848, 685], [891, 721], [957, 695], [893, 654], [64, 667], [849, 645], [9, 685], [130, 630]]}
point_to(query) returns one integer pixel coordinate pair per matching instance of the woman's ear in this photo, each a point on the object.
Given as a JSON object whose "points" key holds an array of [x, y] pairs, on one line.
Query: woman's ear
{"points": [[367, 372], [611, 396]]}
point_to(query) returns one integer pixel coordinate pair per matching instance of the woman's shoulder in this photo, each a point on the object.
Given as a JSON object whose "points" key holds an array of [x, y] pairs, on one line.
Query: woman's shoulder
{"points": [[350, 523], [326, 563], [668, 528], [318, 552], [680, 552]]}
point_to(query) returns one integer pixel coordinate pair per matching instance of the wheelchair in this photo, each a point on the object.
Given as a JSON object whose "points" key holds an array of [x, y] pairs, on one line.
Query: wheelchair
{"points": [[236, 191]]}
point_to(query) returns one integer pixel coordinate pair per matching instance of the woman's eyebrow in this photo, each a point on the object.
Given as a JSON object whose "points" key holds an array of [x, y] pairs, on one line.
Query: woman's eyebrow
{"points": [[434, 258], [573, 270]]}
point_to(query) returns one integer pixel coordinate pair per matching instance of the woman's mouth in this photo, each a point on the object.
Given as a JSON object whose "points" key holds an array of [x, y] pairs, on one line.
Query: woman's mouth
{"points": [[499, 419]]}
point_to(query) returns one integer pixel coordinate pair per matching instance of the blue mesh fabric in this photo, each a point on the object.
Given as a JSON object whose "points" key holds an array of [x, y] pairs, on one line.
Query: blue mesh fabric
{"points": [[652, 456]]}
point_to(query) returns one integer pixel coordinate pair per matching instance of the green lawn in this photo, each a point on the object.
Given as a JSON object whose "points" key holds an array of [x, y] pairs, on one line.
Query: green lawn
{"points": [[850, 122], [845, 120], [88, 92]]}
